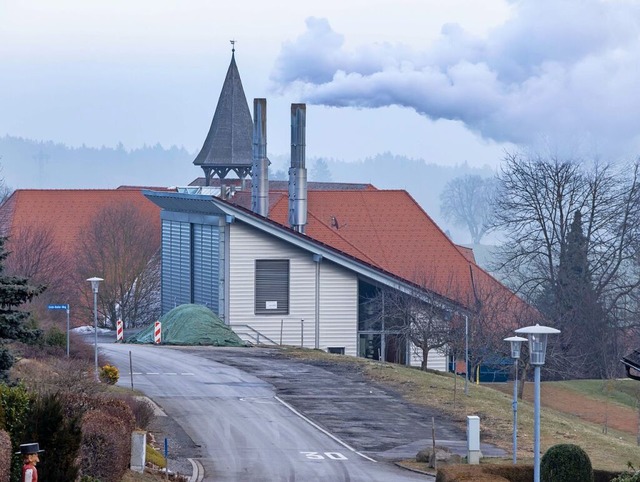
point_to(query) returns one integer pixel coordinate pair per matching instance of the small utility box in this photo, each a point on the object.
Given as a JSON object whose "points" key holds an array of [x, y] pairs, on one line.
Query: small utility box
{"points": [[473, 440], [138, 450]]}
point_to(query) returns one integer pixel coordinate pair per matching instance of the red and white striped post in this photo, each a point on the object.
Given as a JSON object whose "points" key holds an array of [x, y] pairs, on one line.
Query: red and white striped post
{"points": [[119, 330], [157, 332]]}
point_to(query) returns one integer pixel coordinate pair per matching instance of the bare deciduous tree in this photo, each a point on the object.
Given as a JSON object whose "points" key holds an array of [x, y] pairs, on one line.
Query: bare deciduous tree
{"points": [[466, 202], [34, 254], [537, 203], [121, 246]]}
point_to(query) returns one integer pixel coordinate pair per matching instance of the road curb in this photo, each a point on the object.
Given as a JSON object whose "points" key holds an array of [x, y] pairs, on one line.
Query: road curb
{"points": [[198, 471]]}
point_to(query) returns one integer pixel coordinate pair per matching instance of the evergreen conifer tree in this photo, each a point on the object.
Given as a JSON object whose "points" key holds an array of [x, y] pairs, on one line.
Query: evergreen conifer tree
{"points": [[14, 292], [577, 311]]}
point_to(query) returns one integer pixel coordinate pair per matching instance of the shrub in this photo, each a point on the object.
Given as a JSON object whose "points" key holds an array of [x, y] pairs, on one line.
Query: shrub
{"points": [[632, 475], [5, 455], [109, 374], [105, 448], [59, 435], [565, 463], [116, 408], [51, 375], [55, 337], [141, 409], [15, 403]]}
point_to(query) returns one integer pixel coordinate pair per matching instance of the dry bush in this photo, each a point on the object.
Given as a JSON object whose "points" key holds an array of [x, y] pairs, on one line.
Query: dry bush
{"points": [[117, 408], [79, 403], [106, 446], [5, 456], [56, 375], [141, 409], [37, 352], [485, 473], [81, 348]]}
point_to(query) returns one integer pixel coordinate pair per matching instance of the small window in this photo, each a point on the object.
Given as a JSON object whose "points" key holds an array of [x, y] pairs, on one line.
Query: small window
{"points": [[338, 350], [272, 287]]}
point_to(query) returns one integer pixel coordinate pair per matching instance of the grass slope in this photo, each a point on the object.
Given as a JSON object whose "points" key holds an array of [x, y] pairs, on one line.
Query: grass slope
{"points": [[608, 451]]}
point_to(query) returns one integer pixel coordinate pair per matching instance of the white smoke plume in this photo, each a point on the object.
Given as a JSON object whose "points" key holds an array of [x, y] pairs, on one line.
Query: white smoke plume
{"points": [[561, 70]]}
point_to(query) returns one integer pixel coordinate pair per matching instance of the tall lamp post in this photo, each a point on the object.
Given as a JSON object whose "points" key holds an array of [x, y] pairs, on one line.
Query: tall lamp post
{"points": [[515, 342], [95, 282], [466, 355], [537, 349]]}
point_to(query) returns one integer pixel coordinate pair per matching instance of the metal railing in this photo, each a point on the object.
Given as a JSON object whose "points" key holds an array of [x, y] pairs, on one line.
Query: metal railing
{"points": [[252, 335]]}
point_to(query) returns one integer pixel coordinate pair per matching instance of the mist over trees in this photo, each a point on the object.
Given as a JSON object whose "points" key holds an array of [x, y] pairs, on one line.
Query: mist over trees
{"points": [[572, 232], [466, 201], [27, 163], [33, 164]]}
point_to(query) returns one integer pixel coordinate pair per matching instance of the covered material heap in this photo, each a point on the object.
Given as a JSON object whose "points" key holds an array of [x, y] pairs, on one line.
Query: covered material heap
{"points": [[190, 324]]}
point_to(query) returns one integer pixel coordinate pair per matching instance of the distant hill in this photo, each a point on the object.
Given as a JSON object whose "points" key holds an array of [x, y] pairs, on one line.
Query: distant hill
{"points": [[33, 164], [27, 163]]}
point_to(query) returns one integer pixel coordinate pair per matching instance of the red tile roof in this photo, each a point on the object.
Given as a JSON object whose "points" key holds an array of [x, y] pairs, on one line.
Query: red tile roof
{"points": [[389, 230], [67, 211]]}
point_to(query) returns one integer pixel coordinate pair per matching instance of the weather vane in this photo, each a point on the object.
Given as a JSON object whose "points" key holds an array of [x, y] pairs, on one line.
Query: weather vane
{"points": [[233, 45]]}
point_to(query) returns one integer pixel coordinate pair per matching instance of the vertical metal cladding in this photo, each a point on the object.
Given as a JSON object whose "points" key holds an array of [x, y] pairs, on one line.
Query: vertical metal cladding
{"points": [[260, 166], [298, 171]]}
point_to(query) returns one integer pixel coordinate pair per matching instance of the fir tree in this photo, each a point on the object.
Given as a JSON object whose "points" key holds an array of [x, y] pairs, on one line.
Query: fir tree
{"points": [[14, 292], [577, 311]]}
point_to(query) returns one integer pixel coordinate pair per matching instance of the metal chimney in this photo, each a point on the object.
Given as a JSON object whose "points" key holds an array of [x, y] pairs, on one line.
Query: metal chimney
{"points": [[260, 166], [297, 171]]}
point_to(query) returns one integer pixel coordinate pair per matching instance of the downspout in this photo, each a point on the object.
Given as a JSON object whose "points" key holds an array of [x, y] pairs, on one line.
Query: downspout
{"points": [[317, 258], [383, 337]]}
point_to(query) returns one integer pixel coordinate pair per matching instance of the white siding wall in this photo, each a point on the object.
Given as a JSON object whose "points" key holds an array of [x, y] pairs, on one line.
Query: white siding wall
{"points": [[338, 308], [338, 293], [437, 359]]}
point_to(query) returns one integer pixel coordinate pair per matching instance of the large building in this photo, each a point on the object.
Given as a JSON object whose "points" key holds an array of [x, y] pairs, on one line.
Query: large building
{"points": [[299, 264]]}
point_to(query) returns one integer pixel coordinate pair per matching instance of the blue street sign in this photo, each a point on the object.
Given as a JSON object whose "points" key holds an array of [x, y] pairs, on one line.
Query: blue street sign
{"points": [[58, 307]]}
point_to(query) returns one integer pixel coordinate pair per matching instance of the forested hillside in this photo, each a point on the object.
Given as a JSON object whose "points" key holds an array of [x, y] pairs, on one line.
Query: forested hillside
{"points": [[27, 163]]}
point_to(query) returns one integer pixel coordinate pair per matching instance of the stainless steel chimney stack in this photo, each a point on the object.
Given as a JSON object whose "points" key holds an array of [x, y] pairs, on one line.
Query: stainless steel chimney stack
{"points": [[260, 165], [297, 171]]}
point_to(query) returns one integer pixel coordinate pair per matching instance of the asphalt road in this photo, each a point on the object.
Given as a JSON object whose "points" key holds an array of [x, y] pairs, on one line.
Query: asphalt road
{"points": [[244, 432]]}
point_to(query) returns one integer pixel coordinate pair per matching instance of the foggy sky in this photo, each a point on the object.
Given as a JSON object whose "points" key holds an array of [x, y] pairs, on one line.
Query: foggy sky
{"points": [[448, 82], [556, 74]]}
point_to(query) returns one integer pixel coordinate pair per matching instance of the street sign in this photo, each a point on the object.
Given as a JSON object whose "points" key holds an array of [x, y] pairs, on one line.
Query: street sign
{"points": [[58, 307]]}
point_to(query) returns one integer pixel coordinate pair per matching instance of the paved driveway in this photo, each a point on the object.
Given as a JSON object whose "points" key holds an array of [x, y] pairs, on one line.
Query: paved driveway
{"points": [[371, 418]]}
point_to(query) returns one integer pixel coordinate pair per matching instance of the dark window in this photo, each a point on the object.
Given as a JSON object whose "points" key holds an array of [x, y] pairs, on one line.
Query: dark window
{"points": [[338, 350], [272, 287]]}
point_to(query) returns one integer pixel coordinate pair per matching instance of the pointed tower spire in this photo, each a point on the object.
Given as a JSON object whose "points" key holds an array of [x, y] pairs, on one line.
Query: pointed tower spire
{"points": [[228, 145]]}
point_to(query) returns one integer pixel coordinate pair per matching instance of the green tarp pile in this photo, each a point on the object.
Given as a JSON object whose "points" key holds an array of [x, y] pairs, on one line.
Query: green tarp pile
{"points": [[190, 325]]}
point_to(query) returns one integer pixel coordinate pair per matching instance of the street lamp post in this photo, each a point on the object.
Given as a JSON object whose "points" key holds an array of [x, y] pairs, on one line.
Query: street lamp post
{"points": [[537, 349], [466, 355], [515, 342], [95, 282]]}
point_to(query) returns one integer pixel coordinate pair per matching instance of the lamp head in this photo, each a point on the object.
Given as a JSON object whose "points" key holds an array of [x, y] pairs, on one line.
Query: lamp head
{"points": [[537, 341], [516, 345], [95, 282]]}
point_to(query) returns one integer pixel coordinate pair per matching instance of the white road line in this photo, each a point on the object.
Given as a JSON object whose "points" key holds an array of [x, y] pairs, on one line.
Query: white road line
{"points": [[198, 471], [153, 373], [315, 425], [188, 374]]}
